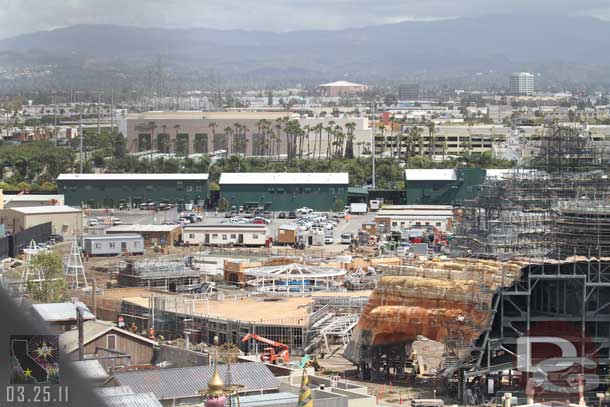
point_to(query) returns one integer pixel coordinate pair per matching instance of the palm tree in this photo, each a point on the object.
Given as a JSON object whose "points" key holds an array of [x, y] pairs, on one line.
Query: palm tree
{"points": [[153, 127], [431, 140], [349, 148], [175, 144], [228, 130], [318, 128]]}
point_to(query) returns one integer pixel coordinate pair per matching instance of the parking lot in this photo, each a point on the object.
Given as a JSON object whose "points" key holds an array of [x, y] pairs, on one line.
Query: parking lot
{"points": [[144, 217]]}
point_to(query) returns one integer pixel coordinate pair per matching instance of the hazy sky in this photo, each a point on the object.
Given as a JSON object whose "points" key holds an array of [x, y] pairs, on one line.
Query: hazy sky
{"points": [[21, 16]]}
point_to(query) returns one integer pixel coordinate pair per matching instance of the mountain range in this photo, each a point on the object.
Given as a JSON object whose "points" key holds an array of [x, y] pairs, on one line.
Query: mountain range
{"points": [[561, 49]]}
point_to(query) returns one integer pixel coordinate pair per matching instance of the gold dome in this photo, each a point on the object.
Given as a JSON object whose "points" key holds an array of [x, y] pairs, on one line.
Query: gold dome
{"points": [[216, 385]]}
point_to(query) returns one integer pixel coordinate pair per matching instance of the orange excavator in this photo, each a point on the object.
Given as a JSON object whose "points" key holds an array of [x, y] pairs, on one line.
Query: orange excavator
{"points": [[277, 353]]}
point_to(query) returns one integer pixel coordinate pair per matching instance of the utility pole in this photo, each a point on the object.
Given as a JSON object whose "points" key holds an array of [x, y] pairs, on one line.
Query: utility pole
{"points": [[55, 119], [373, 141], [98, 115], [80, 131], [111, 110]]}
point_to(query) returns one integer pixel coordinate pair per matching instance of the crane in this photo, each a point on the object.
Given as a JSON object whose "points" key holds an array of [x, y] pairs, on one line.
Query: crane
{"points": [[277, 352]]}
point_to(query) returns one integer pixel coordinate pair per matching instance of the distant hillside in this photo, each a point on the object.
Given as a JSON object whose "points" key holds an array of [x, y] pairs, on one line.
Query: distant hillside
{"points": [[561, 48]]}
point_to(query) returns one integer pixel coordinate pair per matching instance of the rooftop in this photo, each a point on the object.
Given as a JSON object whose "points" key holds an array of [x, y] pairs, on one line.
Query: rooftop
{"points": [[68, 341], [141, 228], [341, 83], [430, 175], [226, 226], [113, 237], [35, 210], [32, 197], [133, 177], [283, 178], [176, 383], [61, 311], [279, 310]]}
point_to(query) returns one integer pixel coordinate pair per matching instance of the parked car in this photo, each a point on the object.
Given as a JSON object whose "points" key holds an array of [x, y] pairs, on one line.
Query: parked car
{"points": [[292, 215], [184, 221], [329, 240], [346, 238], [282, 215], [259, 220]]}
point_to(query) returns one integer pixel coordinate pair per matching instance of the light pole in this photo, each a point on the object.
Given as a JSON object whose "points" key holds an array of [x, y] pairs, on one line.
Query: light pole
{"points": [[373, 140]]}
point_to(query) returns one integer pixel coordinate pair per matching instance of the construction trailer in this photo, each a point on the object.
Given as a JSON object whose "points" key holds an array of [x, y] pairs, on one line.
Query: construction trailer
{"points": [[287, 234], [113, 245], [225, 235]]}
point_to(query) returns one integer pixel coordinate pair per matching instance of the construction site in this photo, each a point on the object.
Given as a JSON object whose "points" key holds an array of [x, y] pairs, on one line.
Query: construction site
{"points": [[528, 262]]}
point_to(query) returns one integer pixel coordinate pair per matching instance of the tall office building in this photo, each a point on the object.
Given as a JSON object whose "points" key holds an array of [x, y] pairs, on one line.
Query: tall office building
{"points": [[522, 84], [408, 92]]}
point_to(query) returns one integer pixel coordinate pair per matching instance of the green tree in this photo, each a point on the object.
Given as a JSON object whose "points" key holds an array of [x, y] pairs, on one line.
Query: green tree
{"points": [[53, 288]]}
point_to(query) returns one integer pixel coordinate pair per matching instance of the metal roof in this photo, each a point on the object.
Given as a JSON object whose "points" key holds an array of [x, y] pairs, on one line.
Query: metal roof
{"points": [[61, 311], [175, 383], [430, 175], [141, 228], [68, 341], [114, 237], [90, 369], [113, 391], [283, 178], [132, 400], [34, 210], [133, 177]]}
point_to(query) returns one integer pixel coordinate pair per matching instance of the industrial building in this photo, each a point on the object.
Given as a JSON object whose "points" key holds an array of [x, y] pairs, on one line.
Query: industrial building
{"points": [[65, 220], [225, 234], [285, 191], [131, 190], [12, 201], [443, 186]]}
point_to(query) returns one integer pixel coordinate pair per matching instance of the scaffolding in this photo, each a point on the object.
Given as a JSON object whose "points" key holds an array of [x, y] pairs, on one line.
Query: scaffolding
{"points": [[530, 211]]}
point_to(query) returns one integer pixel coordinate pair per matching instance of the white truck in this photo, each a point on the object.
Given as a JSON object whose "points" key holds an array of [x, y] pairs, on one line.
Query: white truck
{"points": [[357, 208]]}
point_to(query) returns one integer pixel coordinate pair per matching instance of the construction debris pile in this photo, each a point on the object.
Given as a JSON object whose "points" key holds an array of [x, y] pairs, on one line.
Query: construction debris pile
{"points": [[449, 301]]}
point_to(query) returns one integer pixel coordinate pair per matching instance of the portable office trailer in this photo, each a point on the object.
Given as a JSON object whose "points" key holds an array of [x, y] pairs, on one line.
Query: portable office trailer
{"points": [[225, 234], [112, 245]]}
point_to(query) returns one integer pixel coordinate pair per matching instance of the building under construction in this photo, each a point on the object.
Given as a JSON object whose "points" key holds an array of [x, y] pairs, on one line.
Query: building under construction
{"points": [[555, 207], [531, 257], [167, 273]]}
